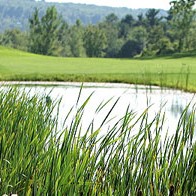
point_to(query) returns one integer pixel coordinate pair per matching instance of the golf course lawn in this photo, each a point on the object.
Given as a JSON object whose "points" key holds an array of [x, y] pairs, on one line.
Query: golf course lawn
{"points": [[176, 72]]}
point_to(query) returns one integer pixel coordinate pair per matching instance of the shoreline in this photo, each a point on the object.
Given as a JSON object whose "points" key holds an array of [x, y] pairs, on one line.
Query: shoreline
{"points": [[85, 84], [91, 85]]}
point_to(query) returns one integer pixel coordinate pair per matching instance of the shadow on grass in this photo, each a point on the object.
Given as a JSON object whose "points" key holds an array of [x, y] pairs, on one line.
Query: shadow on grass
{"points": [[170, 56]]}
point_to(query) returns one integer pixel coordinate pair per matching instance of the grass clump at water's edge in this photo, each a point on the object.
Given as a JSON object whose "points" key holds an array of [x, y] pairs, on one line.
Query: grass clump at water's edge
{"points": [[172, 72], [35, 160]]}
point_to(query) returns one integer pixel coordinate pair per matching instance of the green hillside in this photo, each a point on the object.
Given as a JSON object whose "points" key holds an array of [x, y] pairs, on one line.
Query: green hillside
{"points": [[15, 13], [177, 72]]}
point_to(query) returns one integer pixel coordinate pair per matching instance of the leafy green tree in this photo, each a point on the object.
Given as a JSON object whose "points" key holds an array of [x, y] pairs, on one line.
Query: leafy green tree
{"points": [[130, 49], [44, 32], [191, 38], [152, 18], [76, 40], [35, 33], [111, 19], [140, 35], [181, 19], [51, 23], [64, 40], [135, 42], [14, 38], [125, 26], [110, 26], [129, 20], [157, 42], [95, 41], [140, 20]]}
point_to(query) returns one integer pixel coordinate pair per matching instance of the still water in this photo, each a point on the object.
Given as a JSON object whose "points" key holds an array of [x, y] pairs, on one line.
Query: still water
{"points": [[137, 98]]}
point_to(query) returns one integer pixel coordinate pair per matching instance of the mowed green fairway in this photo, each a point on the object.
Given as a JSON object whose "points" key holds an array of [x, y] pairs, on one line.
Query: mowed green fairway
{"points": [[166, 71]]}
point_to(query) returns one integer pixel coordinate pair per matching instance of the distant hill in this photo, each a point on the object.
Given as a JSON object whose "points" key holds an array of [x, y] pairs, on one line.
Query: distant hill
{"points": [[15, 13]]}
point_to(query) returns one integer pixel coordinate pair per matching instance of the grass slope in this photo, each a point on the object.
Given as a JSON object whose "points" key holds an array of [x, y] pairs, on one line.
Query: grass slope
{"points": [[173, 72]]}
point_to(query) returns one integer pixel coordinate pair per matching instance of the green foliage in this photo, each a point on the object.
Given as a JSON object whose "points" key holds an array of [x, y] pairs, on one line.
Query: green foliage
{"points": [[35, 33], [94, 41], [137, 41], [182, 16], [26, 126], [76, 40], [15, 13], [191, 38], [152, 18], [157, 42], [148, 34], [130, 49], [44, 33], [110, 26], [131, 159], [14, 38], [64, 38], [125, 25], [111, 19]]}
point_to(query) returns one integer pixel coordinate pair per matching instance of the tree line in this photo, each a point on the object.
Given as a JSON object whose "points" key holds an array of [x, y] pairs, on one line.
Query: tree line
{"points": [[147, 35], [15, 13]]}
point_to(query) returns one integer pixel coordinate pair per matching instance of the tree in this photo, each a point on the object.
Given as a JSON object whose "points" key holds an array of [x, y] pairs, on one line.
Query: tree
{"points": [[94, 41], [130, 49], [129, 20], [140, 20], [64, 37], [112, 19], [157, 41], [35, 37], [140, 35], [110, 27], [51, 24], [44, 32], [76, 40], [152, 18], [14, 38], [181, 19], [125, 25]]}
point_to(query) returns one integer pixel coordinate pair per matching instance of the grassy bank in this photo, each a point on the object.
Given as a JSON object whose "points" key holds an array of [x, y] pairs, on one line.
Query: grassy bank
{"points": [[35, 161], [173, 72]]}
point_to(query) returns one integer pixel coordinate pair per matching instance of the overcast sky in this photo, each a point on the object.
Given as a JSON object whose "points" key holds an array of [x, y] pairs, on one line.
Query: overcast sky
{"points": [[159, 4]]}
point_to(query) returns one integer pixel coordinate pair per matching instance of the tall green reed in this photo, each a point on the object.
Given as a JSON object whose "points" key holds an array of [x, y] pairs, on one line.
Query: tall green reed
{"points": [[131, 159], [183, 77]]}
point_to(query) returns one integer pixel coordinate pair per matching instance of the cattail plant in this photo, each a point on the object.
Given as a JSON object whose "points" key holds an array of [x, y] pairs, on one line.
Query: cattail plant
{"points": [[131, 159]]}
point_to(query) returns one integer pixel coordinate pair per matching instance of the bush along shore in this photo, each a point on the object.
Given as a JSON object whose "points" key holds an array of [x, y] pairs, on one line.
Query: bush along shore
{"points": [[37, 159]]}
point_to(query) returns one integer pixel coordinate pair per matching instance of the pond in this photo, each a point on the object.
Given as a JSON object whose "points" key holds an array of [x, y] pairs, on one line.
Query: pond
{"points": [[134, 98]]}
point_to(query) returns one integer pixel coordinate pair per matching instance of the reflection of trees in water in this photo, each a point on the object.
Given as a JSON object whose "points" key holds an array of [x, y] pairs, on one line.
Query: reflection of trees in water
{"points": [[178, 109]]}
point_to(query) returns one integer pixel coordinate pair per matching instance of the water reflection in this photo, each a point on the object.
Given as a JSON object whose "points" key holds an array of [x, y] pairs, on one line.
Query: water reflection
{"points": [[138, 98], [177, 108]]}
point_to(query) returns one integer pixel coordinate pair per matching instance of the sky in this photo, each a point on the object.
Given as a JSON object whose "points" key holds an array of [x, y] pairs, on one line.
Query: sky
{"points": [[158, 4]]}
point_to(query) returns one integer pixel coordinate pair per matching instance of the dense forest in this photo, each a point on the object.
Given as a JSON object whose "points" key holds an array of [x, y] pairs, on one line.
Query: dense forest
{"points": [[148, 34]]}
